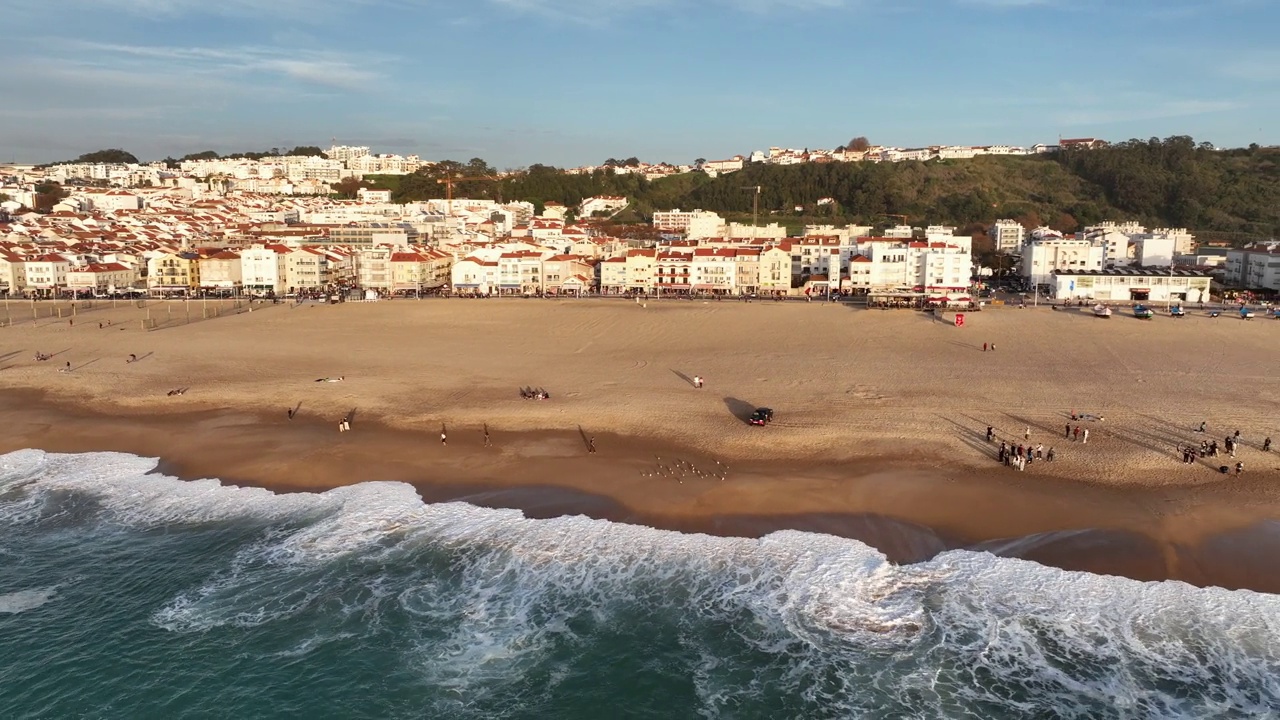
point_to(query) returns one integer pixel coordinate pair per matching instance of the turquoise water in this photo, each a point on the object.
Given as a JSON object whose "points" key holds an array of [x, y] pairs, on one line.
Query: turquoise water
{"points": [[127, 594]]}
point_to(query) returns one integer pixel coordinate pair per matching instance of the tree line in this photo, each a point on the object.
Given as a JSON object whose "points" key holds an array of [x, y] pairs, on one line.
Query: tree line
{"points": [[1174, 182]]}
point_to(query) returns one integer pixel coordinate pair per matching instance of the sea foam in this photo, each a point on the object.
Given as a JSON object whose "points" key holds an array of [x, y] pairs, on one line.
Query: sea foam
{"points": [[841, 628]]}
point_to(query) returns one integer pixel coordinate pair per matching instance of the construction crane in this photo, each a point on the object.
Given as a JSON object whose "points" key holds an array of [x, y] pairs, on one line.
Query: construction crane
{"points": [[902, 219], [448, 188]]}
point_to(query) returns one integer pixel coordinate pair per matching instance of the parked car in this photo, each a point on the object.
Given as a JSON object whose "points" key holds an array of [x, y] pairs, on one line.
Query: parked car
{"points": [[762, 416]]}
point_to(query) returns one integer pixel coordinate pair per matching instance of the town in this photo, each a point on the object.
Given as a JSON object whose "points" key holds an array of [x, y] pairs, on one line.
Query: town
{"points": [[271, 227]]}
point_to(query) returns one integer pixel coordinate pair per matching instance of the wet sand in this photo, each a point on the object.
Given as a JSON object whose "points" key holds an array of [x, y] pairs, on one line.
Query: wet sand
{"points": [[879, 433]]}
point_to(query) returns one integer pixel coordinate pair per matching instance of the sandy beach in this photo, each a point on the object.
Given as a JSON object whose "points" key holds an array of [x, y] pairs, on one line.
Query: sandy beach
{"points": [[879, 430]]}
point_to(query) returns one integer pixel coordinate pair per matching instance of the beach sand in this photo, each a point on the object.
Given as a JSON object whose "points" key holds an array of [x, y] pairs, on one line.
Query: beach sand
{"points": [[880, 417]]}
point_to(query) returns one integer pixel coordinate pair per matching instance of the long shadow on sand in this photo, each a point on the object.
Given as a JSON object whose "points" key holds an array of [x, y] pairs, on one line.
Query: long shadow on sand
{"points": [[740, 409]]}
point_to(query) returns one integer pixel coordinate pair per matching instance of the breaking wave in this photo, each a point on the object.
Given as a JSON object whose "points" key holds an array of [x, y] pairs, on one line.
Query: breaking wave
{"points": [[490, 614]]}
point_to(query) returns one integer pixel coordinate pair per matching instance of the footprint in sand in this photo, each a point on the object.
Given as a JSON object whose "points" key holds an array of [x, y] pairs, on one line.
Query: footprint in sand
{"points": [[864, 392]]}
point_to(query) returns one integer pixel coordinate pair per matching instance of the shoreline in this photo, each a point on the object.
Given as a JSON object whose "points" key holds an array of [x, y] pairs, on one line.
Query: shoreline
{"points": [[1207, 536]]}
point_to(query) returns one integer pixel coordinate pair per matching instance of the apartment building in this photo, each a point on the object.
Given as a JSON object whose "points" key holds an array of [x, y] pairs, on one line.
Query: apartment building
{"points": [[1255, 268], [1041, 258], [221, 272], [263, 269], [1007, 236], [693, 224], [101, 278], [173, 273]]}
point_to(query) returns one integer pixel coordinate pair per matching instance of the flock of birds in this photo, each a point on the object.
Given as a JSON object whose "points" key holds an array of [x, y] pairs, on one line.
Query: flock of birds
{"points": [[679, 469]]}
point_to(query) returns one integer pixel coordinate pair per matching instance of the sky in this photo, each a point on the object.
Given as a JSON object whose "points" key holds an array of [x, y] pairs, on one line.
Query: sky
{"points": [[573, 82]]}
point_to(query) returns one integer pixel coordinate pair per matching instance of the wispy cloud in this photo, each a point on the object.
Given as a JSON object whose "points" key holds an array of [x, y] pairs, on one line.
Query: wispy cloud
{"points": [[324, 69]]}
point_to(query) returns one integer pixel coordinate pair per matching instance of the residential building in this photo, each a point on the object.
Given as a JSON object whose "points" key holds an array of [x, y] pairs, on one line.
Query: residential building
{"points": [[1255, 268], [1040, 258], [613, 275], [641, 266], [100, 278], [262, 269], [373, 267], [603, 205], [369, 234], [46, 275], [473, 275], [173, 273], [1127, 285], [308, 268], [520, 272], [567, 274], [674, 270], [13, 274], [694, 224], [221, 272], [774, 271], [714, 270], [1007, 236], [410, 272]]}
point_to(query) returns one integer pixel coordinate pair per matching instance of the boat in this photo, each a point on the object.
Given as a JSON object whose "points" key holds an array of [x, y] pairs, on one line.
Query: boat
{"points": [[1177, 311], [1246, 313], [1142, 312], [1101, 311]]}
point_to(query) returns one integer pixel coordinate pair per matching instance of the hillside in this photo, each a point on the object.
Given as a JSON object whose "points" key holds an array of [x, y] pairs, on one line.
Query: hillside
{"points": [[1224, 194]]}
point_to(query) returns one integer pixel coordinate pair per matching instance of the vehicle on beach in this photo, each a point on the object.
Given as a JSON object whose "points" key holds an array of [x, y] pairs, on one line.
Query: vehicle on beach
{"points": [[1101, 311], [762, 416], [1177, 311], [1142, 312]]}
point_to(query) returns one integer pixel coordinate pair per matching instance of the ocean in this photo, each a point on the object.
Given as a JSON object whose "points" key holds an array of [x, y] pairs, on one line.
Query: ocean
{"points": [[128, 594]]}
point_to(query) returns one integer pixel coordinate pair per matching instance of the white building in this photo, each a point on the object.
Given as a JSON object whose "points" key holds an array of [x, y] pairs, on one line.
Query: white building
{"points": [[1007, 236], [262, 269], [1151, 285], [1040, 258], [101, 279], [1254, 268], [694, 225], [603, 204], [1153, 250]]}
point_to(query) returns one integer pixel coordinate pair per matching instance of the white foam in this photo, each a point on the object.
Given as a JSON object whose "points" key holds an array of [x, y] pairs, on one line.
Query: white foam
{"points": [[24, 600], [500, 592]]}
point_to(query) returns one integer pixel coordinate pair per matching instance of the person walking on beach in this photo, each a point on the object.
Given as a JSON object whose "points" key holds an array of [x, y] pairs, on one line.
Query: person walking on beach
{"points": [[1076, 432], [1085, 439], [486, 436], [444, 436], [1239, 469], [991, 433], [1203, 424], [1067, 432], [1040, 451], [1049, 455], [1266, 444], [1026, 434], [984, 347], [591, 445]]}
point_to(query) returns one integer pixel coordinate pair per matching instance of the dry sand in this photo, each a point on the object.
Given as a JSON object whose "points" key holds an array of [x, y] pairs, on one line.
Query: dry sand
{"points": [[878, 432]]}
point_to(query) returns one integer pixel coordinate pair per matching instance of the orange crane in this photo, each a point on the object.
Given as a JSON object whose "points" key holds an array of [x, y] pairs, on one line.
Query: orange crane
{"points": [[448, 187]]}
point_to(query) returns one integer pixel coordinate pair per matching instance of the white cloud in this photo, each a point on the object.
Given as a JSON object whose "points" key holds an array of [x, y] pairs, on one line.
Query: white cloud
{"points": [[323, 69]]}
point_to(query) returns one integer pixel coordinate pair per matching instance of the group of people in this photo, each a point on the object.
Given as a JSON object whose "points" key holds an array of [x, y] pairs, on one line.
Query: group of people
{"points": [[1074, 433], [1021, 455], [534, 394], [697, 381]]}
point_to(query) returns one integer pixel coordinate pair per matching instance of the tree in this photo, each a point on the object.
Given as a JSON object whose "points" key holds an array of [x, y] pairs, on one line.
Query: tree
{"points": [[858, 144], [48, 195], [349, 187], [306, 151], [203, 155], [115, 156]]}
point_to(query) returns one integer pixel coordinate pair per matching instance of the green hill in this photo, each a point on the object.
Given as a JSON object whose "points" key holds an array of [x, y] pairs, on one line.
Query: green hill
{"points": [[1223, 194]]}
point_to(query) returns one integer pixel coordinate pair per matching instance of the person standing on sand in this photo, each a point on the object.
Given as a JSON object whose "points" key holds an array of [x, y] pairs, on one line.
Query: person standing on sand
{"points": [[1026, 434], [486, 436], [591, 445], [1085, 439], [1266, 444], [991, 433], [984, 347], [1203, 424], [1239, 469], [1067, 433], [1040, 451], [444, 436], [1049, 455]]}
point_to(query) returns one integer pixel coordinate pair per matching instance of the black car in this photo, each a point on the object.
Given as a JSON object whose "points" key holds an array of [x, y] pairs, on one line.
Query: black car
{"points": [[762, 416]]}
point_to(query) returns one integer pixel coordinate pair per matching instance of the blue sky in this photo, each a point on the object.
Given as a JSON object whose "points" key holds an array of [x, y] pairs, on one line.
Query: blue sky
{"points": [[570, 82]]}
